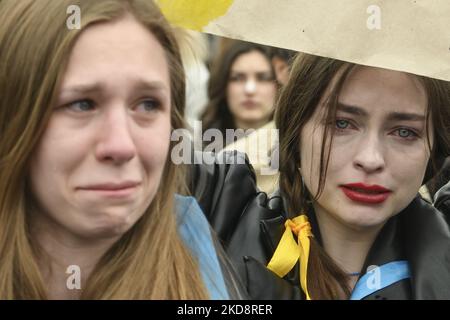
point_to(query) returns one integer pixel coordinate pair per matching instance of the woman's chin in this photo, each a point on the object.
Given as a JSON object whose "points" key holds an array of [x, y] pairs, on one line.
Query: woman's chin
{"points": [[107, 227], [364, 220]]}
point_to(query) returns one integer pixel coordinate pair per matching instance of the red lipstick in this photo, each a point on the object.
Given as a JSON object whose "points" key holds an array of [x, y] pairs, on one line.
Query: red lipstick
{"points": [[360, 192]]}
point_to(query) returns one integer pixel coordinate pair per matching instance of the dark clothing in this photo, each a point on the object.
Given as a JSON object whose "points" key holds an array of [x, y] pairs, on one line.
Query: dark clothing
{"points": [[442, 200], [440, 179], [250, 224]]}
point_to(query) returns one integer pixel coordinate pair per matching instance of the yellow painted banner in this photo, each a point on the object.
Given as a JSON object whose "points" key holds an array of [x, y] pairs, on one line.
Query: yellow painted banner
{"points": [[404, 35], [193, 14]]}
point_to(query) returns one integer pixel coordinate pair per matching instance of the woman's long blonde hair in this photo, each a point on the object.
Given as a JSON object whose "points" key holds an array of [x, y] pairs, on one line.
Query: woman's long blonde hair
{"points": [[150, 261]]}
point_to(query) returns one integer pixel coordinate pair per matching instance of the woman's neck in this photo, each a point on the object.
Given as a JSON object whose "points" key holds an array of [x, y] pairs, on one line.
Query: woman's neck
{"points": [[245, 125], [347, 246], [65, 261]]}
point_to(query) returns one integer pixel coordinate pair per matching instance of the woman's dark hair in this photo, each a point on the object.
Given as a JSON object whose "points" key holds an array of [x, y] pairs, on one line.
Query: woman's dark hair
{"points": [[310, 77], [284, 54], [217, 113]]}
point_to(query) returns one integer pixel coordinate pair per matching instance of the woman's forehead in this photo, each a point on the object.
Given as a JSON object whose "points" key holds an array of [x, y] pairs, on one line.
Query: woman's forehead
{"points": [[371, 89], [375, 87], [249, 61]]}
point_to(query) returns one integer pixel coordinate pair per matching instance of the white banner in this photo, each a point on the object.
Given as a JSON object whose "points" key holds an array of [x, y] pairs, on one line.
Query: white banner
{"points": [[404, 35]]}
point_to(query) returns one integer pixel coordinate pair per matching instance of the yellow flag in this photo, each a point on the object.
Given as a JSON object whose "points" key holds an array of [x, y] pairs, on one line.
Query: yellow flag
{"points": [[193, 14]]}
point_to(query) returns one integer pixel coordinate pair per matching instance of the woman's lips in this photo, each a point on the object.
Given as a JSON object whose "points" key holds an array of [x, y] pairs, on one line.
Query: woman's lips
{"points": [[250, 104], [112, 190], [370, 194]]}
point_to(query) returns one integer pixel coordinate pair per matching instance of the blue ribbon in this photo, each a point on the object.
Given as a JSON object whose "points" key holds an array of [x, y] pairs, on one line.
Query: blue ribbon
{"points": [[380, 277]]}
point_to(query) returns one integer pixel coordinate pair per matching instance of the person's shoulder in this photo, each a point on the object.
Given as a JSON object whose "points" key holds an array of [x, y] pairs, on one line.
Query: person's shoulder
{"points": [[196, 235], [210, 169], [442, 200], [193, 226], [425, 224], [426, 234], [189, 214], [423, 214], [223, 187]]}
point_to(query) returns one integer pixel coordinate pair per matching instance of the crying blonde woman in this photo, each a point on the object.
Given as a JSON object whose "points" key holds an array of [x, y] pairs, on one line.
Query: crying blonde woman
{"points": [[85, 179]]}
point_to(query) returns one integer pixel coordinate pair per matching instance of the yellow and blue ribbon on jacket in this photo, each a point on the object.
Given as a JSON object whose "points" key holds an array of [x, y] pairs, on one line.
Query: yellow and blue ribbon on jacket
{"points": [[290, 250]]}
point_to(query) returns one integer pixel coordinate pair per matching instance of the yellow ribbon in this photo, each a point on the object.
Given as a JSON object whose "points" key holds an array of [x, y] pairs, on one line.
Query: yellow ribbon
{"points": [[288, 251]]}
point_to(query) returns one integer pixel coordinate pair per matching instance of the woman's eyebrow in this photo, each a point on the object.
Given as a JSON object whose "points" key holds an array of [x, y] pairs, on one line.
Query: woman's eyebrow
{"points": [[358, 111], [97, 87], [392, 116], [152, 85], [404, 116], [82, 88]]}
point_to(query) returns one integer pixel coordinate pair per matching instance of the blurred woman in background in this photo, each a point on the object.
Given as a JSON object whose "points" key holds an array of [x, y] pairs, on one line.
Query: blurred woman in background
{"points": [[242, 88]]}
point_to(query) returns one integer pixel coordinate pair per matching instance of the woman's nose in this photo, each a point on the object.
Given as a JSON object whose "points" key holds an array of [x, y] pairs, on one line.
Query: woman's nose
{"points": [[370, 155], [115, 143], [250, 86]]}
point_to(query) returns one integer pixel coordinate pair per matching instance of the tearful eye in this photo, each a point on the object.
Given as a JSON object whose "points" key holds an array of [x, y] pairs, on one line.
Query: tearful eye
{"points": [[81, 105], [342, 124], [149, 105], [405, 133]]}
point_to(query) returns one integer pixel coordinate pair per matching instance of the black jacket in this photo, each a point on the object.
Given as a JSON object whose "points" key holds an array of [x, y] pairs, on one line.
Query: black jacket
{"points": [[442, 200], [440, 179], [250, 225]]}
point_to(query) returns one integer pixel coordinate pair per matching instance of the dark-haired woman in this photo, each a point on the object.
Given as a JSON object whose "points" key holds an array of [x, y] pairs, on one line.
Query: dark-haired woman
{"points": [[356, 143], [242, 88]]}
